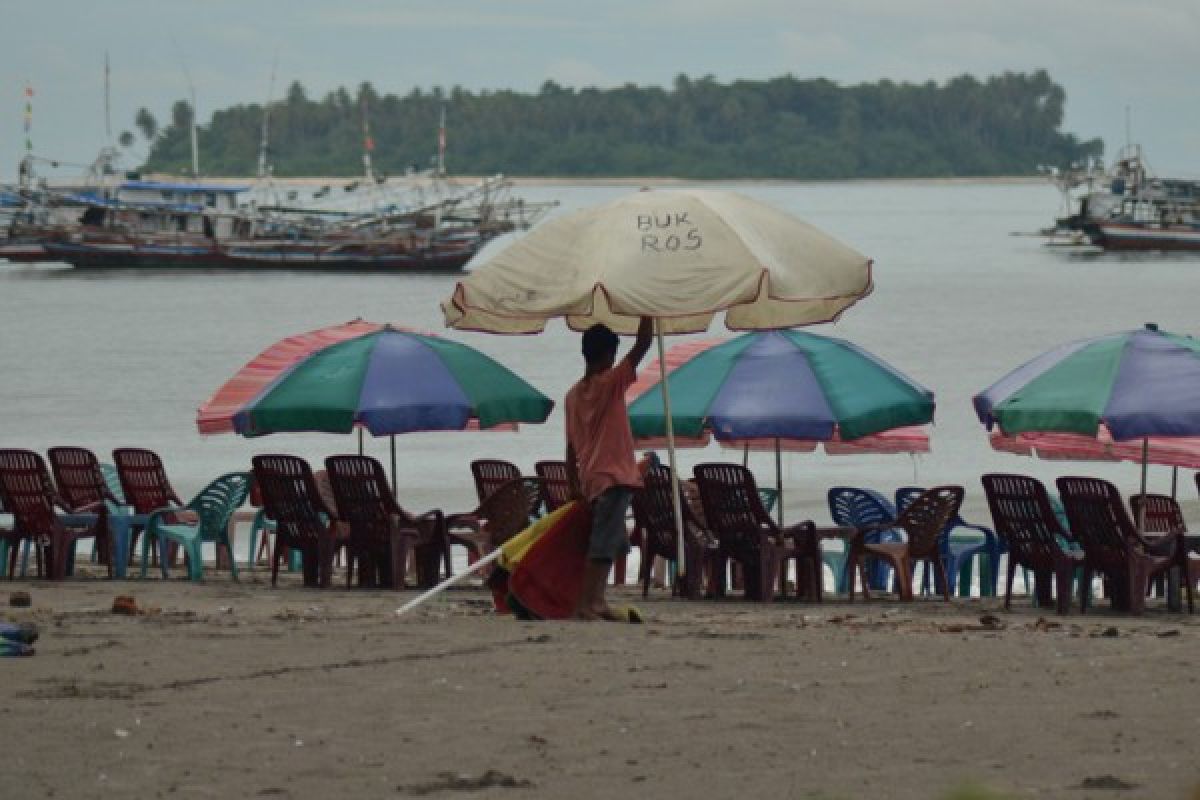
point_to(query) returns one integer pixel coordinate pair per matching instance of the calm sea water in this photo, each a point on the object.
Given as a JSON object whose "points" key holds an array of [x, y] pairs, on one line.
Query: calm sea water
{"points": [[111, 359]]}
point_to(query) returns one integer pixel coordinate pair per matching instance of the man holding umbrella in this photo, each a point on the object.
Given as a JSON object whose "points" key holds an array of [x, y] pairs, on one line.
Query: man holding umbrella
{"points": [[600, 459]]}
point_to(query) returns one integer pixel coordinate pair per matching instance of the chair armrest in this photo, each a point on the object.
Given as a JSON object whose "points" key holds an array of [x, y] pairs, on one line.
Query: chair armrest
{"points": [[468, 519], [155, 518]]}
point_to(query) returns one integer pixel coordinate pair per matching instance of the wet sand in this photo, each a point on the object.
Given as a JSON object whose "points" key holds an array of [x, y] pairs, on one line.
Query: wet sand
{"points": [[236, 690]]}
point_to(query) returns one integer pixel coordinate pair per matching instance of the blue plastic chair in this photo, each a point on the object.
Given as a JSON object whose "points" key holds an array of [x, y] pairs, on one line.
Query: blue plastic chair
{"points": [[853, 507], [961, 542]]}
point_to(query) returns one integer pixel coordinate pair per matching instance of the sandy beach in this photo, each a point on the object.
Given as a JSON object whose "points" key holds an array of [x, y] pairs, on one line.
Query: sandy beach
{"points": [[227, 689]]}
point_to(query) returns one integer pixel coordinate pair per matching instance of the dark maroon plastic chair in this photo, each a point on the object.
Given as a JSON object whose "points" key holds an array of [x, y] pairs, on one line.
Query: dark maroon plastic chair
{"points": [[556, 484], [381, 532], [746, 533], [27, 494], [654, 515], [1025, 521], [1112, 545], [923, 521], [302, 521]]}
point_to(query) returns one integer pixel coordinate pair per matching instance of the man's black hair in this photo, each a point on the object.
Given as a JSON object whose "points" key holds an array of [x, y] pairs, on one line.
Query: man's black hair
{"points": [[599, 344]]}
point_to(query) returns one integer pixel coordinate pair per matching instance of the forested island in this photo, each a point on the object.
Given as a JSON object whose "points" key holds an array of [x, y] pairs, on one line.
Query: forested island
{"points": [[782, 128]]}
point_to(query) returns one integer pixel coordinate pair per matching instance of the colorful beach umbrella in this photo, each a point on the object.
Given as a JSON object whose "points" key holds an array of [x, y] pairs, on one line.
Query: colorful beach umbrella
{"points": [[783, 386], [1138, 386], [392, 382], [679, 257], [379, 378]]}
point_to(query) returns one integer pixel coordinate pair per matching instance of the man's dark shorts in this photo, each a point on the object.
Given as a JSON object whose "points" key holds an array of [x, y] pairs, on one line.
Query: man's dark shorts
{"points": [[610, 540]]}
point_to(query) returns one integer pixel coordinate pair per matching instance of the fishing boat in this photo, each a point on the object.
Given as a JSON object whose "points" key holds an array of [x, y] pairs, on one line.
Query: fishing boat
{"points": [[170, 225], [1128, 209]]}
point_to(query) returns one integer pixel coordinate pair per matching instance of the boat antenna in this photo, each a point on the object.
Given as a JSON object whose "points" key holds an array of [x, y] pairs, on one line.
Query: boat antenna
{"points": [[26, 170], [187, 74], [107, 104], [368, 142], [441, 162], [263, 168]]}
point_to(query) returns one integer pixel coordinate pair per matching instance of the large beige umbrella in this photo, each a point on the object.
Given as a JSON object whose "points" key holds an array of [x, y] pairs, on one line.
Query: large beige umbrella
{"points": [[680, 256]]}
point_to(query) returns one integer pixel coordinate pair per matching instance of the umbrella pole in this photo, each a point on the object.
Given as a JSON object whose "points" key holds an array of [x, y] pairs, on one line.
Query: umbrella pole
{"points": [[778, 483], [1174, 481], [360, 452], [1141, 521], [746, 455], [448, 582], [675, 504], [395, 488]]}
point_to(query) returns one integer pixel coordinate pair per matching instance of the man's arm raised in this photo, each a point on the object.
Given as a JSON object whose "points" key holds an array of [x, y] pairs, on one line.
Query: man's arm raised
{"points": [[641, 345]]}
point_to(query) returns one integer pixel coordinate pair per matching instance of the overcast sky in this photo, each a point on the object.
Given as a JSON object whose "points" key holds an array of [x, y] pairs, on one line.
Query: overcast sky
{"points": [[1108, 54]]}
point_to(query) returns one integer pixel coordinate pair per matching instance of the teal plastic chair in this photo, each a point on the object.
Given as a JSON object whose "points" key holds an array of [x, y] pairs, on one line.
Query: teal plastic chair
{"points": [[214, 506]]}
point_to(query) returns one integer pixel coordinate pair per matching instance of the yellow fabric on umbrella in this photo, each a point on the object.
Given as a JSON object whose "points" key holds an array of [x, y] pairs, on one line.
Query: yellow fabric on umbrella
{"points": [[515, 548]]}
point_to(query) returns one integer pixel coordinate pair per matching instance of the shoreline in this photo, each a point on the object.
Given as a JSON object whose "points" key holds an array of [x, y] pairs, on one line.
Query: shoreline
{"points": [[627, 181]]}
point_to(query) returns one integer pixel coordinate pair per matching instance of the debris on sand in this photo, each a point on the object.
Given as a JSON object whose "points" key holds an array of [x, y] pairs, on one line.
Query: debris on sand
{"points": [[463, 782], [1106, 782]]}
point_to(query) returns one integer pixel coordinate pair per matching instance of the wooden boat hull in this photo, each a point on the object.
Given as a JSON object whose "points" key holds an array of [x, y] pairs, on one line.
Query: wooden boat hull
{"points": [[135, 256]]}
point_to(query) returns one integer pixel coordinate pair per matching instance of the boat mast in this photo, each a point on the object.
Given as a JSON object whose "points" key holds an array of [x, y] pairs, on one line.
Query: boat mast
{"points": [[187, 74], [107, 104], [368, 148], [25, 173], [441, 161], [263, 168]]}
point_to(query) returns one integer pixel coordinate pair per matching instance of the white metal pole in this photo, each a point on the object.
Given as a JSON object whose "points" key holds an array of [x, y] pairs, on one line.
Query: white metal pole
{"points": [[1141, 522], [778, 483], [453, 579], [675, 500], [395, 488]]}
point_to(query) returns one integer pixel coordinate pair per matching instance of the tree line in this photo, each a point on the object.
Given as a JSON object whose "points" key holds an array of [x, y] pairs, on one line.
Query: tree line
{"points": [[784, 128]]}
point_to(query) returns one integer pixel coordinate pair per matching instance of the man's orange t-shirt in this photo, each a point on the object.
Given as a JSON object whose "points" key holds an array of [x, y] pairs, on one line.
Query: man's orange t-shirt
{"points": [[598, 430]]}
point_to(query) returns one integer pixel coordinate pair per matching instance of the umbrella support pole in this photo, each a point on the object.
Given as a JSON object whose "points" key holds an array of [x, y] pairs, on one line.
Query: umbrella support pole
{"points": [[1141, 520], [395, 488], [360, 446], [446, 584], [778, 484], [675, 503]]}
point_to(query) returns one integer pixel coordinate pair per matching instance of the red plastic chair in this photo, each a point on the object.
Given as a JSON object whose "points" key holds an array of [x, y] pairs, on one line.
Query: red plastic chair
{"points": [[1025, 521], [27, 494], [291, 498], [1112, 545], [145, 486], [381, 532], [746, 532]]}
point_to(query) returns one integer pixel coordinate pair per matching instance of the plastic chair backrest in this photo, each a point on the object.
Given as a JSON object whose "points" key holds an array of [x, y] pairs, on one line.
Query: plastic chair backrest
{"points": [[732, 508], [492, 473], [78, 477], [216, 503], [854, 507], [556, 485], [290, 495], [1024, 516], [1098, 518], [113, 480], [144, 480], [1162, 513], [364, 498], [25, 493], [928, 515]]}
